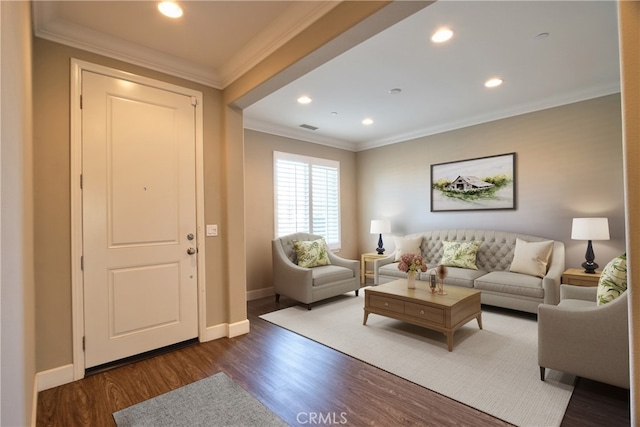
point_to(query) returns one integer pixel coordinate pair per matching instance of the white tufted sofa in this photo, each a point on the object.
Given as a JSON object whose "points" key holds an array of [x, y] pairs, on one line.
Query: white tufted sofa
{"points": [[499, 286]]}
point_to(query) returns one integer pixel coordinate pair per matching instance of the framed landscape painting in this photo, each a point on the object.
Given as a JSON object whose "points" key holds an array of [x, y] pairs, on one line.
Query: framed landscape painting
{"points": [[485, 183]]}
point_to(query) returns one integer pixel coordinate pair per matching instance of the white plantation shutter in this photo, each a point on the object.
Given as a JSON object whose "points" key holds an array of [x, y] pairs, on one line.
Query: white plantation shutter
{"points": [[325, 202], [307, 196], [292, 196]]}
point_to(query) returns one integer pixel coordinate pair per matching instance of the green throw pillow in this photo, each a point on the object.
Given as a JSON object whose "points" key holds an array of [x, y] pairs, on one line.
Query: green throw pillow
{"points": [[460, 254], [613, 280], [311, 253]]}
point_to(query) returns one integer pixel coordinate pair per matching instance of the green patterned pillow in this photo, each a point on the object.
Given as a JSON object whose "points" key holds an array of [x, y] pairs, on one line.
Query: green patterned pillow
{"points": [[460, 254], [311, 253], [613, 280]]}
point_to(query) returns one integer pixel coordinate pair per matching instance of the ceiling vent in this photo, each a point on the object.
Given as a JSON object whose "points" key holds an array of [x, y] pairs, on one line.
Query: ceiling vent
{"points": [[308, 127]]}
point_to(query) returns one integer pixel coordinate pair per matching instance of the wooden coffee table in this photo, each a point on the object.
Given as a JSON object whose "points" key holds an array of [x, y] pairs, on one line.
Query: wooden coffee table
{"points": [[444, 313]]}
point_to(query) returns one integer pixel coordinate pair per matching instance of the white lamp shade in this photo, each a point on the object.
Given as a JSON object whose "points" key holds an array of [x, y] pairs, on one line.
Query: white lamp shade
{"points": [[590, 229], [380, 226]]}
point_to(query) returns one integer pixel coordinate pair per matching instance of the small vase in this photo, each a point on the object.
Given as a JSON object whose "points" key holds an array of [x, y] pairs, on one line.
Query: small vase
{"points": [[432, 283], [411, 280], [441, 287]]}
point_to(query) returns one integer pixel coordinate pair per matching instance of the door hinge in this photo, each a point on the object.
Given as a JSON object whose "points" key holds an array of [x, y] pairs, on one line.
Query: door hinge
{"points": [[81, 182], [84, 344], [81, 102], [82, 263], [194, 101]]}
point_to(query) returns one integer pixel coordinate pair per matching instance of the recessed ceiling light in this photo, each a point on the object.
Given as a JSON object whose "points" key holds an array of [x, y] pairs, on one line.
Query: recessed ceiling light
{"points": [[541, 36], [304, 100], [367, 121], [170, 9], [442, 35], [493, 82], [395, 91]]}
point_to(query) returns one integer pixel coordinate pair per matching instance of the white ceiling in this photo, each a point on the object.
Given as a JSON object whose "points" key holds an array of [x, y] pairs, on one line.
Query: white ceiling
{"points": [[442, 85]]}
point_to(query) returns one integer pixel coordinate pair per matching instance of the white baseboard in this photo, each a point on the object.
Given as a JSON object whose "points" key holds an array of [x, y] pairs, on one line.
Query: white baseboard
{"points": [[223, 330], [54, 377], [260, 293], [214, 332], [238, 328], [65, 374]]}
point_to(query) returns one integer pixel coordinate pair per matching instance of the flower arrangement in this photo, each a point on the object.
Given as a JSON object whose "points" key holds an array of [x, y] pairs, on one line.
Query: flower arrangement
{"points": [[412, 263]]}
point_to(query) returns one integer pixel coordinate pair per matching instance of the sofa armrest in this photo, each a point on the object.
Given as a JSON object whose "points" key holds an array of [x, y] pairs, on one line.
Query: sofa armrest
{"points": [[347, 263], [288, 278], [552, 280], [379, 263], [585, 293]]}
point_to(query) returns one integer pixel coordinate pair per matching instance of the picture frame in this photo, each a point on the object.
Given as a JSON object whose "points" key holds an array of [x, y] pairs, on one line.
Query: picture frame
{"points": [[483, 183]]}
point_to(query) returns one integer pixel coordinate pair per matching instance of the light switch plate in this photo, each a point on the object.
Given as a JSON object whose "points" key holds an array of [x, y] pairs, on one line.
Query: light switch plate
{"points": [[212, 230]]}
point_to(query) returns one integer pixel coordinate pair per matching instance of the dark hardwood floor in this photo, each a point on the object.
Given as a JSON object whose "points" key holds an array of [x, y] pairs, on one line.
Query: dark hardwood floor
{"points": [[298, 379]]}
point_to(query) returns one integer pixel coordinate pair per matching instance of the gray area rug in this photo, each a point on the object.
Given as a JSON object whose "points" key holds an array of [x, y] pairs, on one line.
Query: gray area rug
{"points": [[213, 401], [494, 370]]}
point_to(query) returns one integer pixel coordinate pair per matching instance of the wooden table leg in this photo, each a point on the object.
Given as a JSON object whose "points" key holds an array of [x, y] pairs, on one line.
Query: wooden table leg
{"points": [[479, 318], [449, 340], [366, 316]]}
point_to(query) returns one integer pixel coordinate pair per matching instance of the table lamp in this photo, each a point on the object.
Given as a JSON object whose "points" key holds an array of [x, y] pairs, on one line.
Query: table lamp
{"points": [[590, 229], [379, 226]]}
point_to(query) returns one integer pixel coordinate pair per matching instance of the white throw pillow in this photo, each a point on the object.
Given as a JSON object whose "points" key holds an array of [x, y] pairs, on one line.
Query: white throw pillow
{"points": [[531, 257], [407, 245]]}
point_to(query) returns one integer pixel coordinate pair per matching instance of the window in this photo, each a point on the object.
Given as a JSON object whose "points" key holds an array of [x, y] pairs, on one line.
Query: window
{"points": [[307, 196]]}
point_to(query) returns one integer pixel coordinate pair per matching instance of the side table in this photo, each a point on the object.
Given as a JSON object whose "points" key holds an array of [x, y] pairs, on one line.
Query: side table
{"points": [[368, 257], [577, 277]]}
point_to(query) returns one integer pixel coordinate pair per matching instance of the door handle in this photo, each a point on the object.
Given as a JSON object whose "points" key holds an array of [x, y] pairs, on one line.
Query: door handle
{"points": [[191, 251]]}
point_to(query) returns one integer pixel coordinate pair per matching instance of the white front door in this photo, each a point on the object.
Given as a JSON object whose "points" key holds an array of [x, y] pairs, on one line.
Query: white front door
{"points": [[139, 218]]}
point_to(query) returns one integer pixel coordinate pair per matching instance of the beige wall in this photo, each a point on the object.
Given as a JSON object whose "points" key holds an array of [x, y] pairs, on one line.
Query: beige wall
{"points": [[52, 196], [568, 164], [629, 18], [17, 306], [234, 231], [259, 148]]}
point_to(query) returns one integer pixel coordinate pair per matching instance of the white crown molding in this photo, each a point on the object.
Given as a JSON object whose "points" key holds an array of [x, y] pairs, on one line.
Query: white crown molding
{"points": [[47, 26], [270, 39], [517, 110], [301, 135], [308, 136]]}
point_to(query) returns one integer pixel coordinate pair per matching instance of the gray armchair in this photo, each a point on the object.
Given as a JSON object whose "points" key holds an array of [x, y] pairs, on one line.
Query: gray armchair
{"points": [[580, 338], [309, 285]]}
